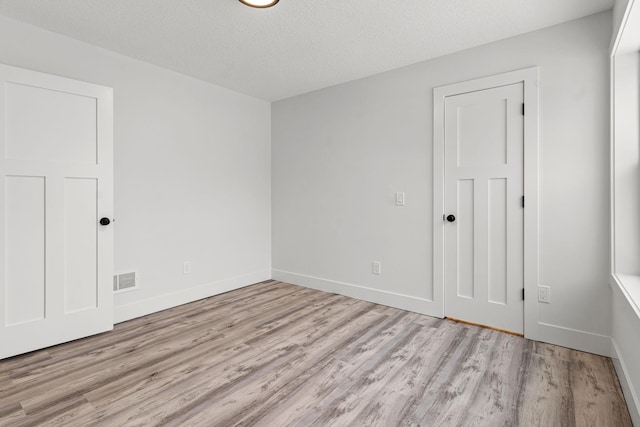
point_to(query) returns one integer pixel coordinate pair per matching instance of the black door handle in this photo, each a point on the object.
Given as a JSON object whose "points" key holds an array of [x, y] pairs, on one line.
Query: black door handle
{"points": [[105, 221], [451, 218]]}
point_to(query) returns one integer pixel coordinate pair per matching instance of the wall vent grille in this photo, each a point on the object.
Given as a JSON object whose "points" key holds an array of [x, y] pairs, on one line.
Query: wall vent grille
{"points": [[125, 282]]}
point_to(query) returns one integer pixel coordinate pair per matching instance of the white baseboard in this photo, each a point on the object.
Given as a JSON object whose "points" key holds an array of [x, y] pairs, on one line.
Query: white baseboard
{"points": [[566, 337], [162, 302], [391, 299], [630, 394], [572, 338]]}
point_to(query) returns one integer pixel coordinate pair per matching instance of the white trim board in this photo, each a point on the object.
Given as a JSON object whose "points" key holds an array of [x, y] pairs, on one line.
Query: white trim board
{"points": [[624, 135], [629, 285], [377, 296], [630, 393], [174, 299], [529, 77], [627, 40], [575, 339]]}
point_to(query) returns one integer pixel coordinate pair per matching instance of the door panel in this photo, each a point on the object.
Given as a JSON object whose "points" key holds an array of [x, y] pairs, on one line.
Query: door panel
{"points": [[81, 226], [483, 265], [465, 258], [56, 167], [25, 272], [497, 251], [66, 129], [486, 120]]}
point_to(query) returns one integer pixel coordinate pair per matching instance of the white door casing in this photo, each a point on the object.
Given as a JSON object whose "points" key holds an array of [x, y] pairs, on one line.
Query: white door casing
{"points": [[56, 167], [529, 79], [483, 257]]}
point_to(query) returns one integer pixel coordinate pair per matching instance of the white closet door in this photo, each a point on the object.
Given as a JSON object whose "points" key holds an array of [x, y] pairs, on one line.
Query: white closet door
{"points": [[484, 231]]}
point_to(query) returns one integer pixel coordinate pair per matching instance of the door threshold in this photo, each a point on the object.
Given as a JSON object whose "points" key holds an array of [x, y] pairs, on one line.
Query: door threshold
{"points": [[485, 326]]}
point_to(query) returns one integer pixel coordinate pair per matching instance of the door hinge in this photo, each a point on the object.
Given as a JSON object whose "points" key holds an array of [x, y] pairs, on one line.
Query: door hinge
{"points": [[522, 294], [522, 201], [523, 108]]}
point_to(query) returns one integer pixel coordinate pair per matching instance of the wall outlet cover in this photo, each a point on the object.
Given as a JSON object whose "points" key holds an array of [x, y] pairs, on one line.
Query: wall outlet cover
{"points": [[544, 294]]}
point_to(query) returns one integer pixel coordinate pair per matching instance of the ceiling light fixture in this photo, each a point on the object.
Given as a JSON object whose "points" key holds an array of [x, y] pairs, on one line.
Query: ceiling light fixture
{"points": [[262, 4]]}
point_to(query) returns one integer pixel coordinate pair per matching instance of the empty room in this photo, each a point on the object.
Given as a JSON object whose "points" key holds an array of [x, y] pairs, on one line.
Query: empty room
{"points": [[320, 213]]}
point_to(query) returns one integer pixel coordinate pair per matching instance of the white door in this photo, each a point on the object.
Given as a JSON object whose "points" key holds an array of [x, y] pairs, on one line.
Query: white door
{"points": [[484, 259], [56, 168]]}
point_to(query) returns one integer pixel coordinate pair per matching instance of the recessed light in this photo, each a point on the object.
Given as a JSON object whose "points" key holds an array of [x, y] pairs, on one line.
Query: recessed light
{"points": [[259, 3]]}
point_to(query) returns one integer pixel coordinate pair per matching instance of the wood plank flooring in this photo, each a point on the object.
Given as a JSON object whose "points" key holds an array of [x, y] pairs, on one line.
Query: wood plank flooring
{"points": [[275, 354]]}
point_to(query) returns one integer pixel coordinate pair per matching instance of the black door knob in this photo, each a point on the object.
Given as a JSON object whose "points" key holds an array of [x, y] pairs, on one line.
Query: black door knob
{"points": [[451, 218], [105, 221]]}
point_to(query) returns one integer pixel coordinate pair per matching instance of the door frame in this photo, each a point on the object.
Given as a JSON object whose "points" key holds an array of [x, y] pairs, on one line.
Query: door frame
{"points": [[529, 77]]}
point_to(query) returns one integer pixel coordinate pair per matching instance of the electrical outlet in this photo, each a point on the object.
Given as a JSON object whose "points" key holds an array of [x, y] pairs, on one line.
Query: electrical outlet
{"points": [[400, 199], [377, 268], [186, 267], [544, 294]]}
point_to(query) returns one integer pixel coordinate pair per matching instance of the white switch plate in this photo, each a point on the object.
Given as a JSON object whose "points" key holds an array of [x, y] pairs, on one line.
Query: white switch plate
{"points": [[544, 294], [400, 199], [186, 267], [377, 268]]}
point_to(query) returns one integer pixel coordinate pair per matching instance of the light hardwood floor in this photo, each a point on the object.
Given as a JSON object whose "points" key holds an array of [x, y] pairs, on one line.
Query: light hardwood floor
{"points": [[275, 354]]}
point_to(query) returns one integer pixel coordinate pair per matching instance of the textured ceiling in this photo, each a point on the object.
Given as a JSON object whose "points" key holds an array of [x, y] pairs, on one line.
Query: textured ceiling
{"points": [[298, 45]]}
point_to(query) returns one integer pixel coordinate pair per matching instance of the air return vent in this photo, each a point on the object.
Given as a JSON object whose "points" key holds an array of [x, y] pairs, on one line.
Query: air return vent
{"points": [[124, 282]]}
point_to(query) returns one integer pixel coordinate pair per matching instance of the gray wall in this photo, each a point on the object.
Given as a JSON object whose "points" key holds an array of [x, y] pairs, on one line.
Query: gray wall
{"points": [[340, 154], [192, 170]]}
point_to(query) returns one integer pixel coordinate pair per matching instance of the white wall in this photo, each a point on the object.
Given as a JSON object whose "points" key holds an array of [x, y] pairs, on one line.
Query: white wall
{"points": [[340, 154], [192, 171]]}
